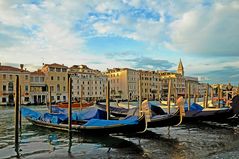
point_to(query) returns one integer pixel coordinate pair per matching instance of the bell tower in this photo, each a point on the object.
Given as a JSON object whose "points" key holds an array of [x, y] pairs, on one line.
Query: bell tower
{"points": [[180, 69]]}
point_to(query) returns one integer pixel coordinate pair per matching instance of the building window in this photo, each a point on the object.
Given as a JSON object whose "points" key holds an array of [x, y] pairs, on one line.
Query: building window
{"points": [[52, 88], [41, 79], [58, 78], [58, 88], [64, 78], [52, 78], [64, 88], [26, 88], [26, 77], [4, 100], [64, 70], [51, 69], [4, 76], [58, 97], [58, 69], [4, 87], [64, 98], [26, 99], [10, 86]]}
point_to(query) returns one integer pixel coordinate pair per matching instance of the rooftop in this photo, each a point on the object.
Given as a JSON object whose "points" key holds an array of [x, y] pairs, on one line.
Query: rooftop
{"points": [[13, 69]]}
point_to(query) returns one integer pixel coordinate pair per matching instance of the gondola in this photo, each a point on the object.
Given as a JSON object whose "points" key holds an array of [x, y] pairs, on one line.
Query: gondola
{"points": [[123, 112], [198, 113], [158, 117], [115, 111], [130, 124]]}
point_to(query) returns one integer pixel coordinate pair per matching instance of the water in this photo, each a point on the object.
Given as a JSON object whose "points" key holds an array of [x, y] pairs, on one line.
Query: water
{"points": [[205, 140]]}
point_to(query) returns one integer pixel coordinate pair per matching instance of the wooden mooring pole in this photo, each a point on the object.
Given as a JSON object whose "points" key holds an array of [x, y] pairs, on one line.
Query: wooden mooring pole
{"points": [[69, 111], [49, 98], [128, 95], [20, 112], [81, 96], [189, 95], [218, 94], [108, 100], [206, 99], [169, 94], [16, 117], [69, 103], [140, 95]]}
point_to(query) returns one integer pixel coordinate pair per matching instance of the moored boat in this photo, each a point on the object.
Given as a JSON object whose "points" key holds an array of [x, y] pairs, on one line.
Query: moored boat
{"points": [[75, 104], [130, 124], [199, 113]]}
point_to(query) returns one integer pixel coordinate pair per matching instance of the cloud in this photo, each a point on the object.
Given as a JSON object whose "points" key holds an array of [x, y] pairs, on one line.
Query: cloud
{"points": [[150, 63], [121, 55], [208, 31], [225, 75]]}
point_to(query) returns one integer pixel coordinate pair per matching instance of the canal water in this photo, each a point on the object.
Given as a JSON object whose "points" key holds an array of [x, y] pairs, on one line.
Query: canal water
{"points": [[202, 140]]}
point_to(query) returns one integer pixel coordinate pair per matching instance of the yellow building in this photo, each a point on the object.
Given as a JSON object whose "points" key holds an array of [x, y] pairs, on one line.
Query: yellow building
{"points": [[150, 85], [56, 81], [123, 83], [8, 86]]}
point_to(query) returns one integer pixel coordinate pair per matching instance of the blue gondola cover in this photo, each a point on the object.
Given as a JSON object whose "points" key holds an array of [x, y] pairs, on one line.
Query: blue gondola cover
{"points": [[26, 112], [98, 122]]}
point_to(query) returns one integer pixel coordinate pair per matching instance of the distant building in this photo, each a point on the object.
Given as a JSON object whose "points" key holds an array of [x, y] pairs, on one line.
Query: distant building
{"points": [[8, 85], [179, 82], [87, 83], [38, 88], [180, 69], [150, 84], [56, 81], [123, 83]]}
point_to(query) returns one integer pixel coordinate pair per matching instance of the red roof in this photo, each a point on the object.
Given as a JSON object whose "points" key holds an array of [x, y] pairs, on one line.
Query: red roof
{"points": [[10, 68]]}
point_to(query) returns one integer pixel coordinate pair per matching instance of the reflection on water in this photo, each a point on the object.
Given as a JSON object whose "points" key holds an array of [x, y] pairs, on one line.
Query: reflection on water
{"points": [[200, 140]]}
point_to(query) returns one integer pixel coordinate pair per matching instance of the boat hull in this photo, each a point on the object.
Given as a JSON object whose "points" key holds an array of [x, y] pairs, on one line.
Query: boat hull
{"points": [[211, 115], [94, 130]]}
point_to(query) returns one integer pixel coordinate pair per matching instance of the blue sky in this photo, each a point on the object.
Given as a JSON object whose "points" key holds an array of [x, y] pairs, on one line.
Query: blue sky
{"points": [[138, 34]]}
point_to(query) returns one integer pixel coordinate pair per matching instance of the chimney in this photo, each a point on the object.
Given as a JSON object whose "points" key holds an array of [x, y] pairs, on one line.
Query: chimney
{"points": [[21, 66]]}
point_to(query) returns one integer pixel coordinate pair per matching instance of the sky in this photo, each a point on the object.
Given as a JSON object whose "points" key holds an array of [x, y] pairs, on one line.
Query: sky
{"points": [[138, 34]]}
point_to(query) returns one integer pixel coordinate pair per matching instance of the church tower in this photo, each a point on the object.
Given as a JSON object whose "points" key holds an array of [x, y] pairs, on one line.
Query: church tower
{"points": [[180, 69]]}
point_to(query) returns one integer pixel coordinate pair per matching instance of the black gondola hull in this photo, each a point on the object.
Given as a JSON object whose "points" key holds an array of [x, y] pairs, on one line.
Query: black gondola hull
{"points": [[211, 115], [94, 130]]}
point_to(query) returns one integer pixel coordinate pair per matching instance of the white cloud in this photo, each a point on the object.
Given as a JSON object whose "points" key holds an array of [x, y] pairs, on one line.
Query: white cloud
{"points": [[208, 31]]}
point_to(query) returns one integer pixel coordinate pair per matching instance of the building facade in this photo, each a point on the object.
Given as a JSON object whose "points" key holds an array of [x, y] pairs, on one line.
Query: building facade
{"points": [[150, 85], [8, 84], [88, 84], [38, 88], [56, 80], [123, 83]]}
